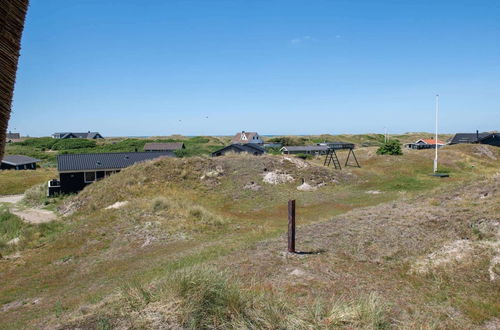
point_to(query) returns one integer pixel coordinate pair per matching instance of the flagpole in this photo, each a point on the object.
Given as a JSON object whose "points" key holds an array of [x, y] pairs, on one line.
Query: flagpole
{"points": [[436, 137]]}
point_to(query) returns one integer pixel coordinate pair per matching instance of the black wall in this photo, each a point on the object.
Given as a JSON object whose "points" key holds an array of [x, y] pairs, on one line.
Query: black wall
{"points": [[4, 166], [493, 140], [72, 182]]}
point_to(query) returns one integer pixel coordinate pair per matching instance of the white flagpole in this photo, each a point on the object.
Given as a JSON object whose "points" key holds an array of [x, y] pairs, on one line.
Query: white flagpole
{"points": [[436, 137]]}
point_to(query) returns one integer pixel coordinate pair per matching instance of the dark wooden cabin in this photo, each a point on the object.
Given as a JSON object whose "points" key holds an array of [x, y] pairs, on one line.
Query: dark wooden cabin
{"points": [[18, 162], [249, 148], [78, 170], [492, 139], [168, 146]]}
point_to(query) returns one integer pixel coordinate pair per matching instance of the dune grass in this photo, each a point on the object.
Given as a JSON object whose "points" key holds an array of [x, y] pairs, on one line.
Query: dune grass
{"points": [[179, 218], [16, 182]]}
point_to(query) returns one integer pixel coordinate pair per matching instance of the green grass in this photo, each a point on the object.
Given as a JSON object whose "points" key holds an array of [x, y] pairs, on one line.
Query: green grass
{"points": [[17, 182], [11, 226], [170, 202], [47, 149]]}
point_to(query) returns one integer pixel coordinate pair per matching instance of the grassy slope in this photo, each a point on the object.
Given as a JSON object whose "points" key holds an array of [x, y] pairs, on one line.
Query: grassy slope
{"points": [[173, 218], [47, 149], [16, 182]]}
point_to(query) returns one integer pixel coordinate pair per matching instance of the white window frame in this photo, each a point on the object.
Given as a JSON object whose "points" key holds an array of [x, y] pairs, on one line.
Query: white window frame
{"points": [[85, 177]]}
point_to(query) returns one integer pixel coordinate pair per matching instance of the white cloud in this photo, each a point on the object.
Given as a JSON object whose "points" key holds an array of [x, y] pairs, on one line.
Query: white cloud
{"points": [[300, 40]]}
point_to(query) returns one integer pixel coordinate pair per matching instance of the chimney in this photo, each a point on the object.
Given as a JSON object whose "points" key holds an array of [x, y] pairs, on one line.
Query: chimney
{"points": [[477, 135]]}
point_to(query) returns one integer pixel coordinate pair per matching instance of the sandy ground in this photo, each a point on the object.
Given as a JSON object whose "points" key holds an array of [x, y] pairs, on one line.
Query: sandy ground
{"points": [[31, 215], [11, 198], [34, 215]]}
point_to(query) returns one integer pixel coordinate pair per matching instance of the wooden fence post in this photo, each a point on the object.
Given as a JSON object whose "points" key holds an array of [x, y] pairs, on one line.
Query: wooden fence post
{"points": [[291, 226]]}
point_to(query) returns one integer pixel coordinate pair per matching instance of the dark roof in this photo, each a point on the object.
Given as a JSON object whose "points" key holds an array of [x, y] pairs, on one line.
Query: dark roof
{"points": [[468, 137], [337, 145], [11, 135], [164, 146], [86, 135], [306, 148], [248, 147], [19, 160], [102, 161]]}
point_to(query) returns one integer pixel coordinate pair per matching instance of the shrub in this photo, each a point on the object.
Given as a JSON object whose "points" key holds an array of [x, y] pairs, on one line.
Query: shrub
{"points": [[161, 203], [68, 144], [180, 153], [10, 226], [208, 298], [202, 215], [42, 143], [289, 140], [391, 147], [36, 195], [305, 156]]}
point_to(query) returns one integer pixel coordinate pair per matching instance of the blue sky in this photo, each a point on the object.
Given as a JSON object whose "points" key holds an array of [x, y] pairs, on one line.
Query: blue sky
{"points": [[213, 67]]}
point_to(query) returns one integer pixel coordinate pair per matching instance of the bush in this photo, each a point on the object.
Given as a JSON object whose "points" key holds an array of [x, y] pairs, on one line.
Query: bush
{"points": [[209, 299], [42, 143], [36, 195], [68, 144], [180, 153], [305, 156], [201, 215], [289, 140], [391, 147]]}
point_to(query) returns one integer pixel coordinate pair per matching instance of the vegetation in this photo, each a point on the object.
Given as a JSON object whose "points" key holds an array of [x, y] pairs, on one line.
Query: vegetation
{"points": [[304, 156], [391, 147], [16, 182], [199, 244], [48, 148], [16, 235]]}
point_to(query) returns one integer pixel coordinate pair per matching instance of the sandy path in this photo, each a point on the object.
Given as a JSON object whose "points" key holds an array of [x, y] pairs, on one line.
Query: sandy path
{"points": [[11, 198], [34, 215], [31, 215]]}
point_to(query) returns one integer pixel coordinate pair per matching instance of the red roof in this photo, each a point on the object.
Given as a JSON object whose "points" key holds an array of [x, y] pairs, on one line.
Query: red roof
{"points": [[431, 141]]}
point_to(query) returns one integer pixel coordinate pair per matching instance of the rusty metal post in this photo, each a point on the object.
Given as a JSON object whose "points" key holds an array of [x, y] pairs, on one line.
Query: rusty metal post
{"points": [[291, 226]]}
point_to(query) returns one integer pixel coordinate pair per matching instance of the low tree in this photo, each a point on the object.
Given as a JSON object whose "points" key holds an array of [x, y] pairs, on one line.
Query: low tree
{"points": [[391, 147]]}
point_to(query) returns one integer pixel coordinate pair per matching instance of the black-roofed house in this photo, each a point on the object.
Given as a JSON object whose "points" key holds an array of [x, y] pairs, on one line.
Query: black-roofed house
{"points": [[307, 150], [249, 148], [482, 138], [18, 162], [13, 136], [78, 170], [73, 135], [168, 146]]}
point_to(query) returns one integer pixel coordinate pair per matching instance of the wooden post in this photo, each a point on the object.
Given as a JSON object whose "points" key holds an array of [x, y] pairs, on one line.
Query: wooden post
{"points": [[291, 226]]}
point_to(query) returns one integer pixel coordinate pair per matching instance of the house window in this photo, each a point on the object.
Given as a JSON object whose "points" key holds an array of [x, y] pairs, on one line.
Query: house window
{"points": [[89, 177]]}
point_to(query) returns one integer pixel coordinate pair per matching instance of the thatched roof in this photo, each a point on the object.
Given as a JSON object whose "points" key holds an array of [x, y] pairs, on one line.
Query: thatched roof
{"points": [[12, 15]]}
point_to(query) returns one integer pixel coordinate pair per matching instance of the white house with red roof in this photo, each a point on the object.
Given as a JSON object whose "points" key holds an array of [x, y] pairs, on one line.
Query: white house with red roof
{"points": [[425, 144], [247, 137]]}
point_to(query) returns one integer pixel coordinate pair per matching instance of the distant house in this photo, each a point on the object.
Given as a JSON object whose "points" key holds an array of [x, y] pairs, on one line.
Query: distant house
{"points": [[247, 137], [78, 170], [308, 150], [337, 145], [18, 162], [13, 136], [425, 144], [482, 138], [170, 146], [249, 148], [73, 135]]}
